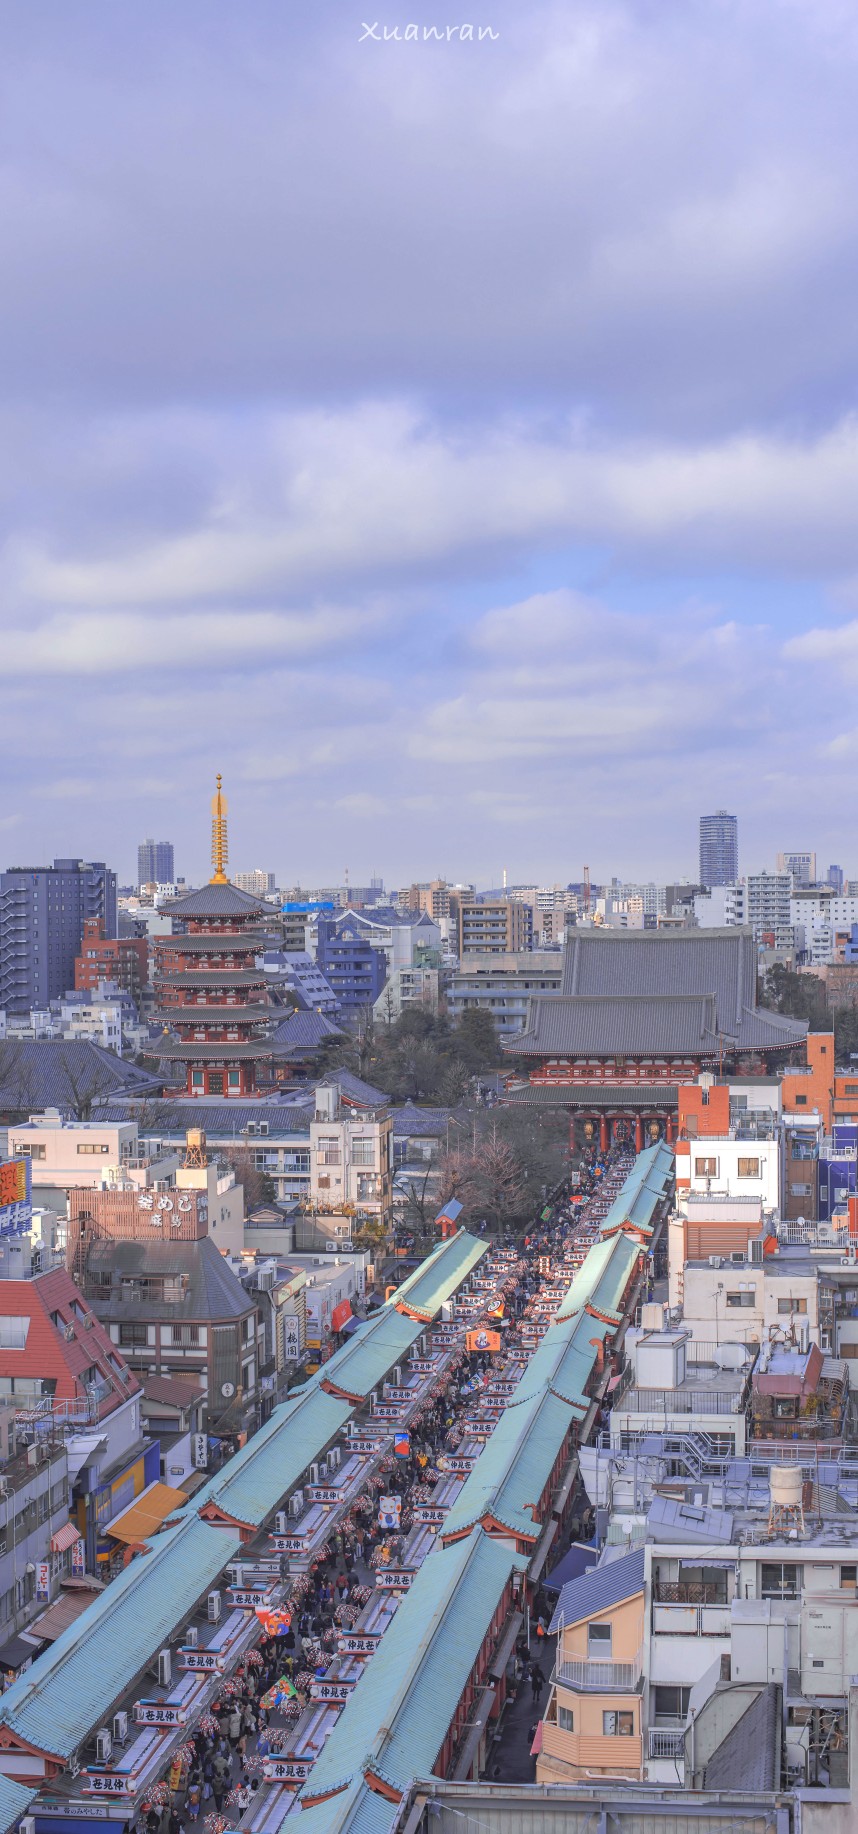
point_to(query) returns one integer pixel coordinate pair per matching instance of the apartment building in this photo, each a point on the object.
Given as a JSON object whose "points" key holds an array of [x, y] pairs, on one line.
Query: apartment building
{"points": [[503, 985], [351, 1162], [496, 926]]}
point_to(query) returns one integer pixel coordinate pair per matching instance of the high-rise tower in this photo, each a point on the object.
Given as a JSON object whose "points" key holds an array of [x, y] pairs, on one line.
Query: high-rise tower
{"points": [[719, 849]]}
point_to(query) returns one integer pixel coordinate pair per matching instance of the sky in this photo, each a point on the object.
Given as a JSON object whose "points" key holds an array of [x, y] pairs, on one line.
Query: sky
{"points": [[451, 439]]}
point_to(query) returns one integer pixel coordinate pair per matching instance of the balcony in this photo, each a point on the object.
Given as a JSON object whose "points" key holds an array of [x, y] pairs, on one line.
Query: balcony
{"points": [[587, 1677], [687, 1620], [667, 1742]]}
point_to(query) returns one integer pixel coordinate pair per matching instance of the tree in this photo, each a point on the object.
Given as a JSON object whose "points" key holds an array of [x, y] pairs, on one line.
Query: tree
{"points": [[258, 1187], [476, 1040]]}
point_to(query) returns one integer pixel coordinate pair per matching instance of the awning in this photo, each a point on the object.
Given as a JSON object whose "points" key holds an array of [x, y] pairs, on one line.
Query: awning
{"points": [[17, 1651], [536, 1747], [64, 1611], [469, 1749], [340, 1313], [506, 1646], [193, 1482], [146, 1514], [65, 1537], [352, 1324]]}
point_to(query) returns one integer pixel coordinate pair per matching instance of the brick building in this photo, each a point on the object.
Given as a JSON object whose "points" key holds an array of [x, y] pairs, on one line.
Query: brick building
{"points": [[123, 959]]}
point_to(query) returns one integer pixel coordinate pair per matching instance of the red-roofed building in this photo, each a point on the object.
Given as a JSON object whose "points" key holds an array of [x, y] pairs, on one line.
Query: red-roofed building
{"points": [[52, 1346]]}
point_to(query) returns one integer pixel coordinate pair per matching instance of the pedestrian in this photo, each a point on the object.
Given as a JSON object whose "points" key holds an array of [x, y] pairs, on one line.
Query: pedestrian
{"points": [[234, 1727], [537, 1683], [192, 1802]]}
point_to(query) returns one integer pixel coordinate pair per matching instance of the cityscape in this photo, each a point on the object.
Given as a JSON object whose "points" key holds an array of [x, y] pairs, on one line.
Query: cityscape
{"points": [[428, 919]]}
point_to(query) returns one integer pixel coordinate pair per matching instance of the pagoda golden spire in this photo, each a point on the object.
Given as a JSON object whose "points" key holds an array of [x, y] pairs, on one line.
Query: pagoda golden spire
{"points": [[220, 852]]}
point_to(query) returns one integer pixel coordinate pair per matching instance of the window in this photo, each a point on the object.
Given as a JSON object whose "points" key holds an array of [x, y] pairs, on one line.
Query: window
{"points": [[599, 1639], [705, 1168], [90, 1148], [198, 1079], [618, 1725], [188, 1335], [785, 1407], [671, 1702], [800, 1190], [849, 1579], [801, 1101], [778, 1580], [133, 1334], [234, 1079], [363, 1152], [785, 1306], [13, 1333], [738, 1299], [748, 1168], [565, 1719], [31, 1152]]}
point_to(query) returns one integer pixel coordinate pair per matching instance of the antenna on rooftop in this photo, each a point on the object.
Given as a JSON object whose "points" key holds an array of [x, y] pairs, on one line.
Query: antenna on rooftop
{"points": [[220, 851]]}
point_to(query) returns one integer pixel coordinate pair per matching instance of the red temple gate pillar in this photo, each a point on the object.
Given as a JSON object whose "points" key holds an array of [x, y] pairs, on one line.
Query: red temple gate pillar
{"points": [[638, 1134], [668, 1130], [604, 1134]]}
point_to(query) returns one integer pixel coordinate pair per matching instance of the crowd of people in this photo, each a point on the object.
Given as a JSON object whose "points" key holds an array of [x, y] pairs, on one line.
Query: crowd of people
{"points": [[222, 1761]]}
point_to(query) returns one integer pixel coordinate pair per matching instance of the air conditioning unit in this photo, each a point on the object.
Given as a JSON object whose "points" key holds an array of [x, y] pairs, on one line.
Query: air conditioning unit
{"points": [[267, 1277], [397, 1376], [295, 1505], [334, 1458], [281, 1523], [447, 1312], [32, 1455], [165, 1668], [120, 1728], [103, 1746], [737, 1257], [715, 1261], [314, 1474], [755, 1250], [235, 1574], [213, 1607], [192, 1637], [27, 1824]]}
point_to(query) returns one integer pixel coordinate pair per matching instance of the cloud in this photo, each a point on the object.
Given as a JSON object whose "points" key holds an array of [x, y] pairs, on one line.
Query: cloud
{"points": [[132, 643]]}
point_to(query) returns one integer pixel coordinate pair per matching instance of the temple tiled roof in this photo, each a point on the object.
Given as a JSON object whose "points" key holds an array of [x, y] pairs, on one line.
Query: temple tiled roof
{"points": [[655, 993], [216, 901]]}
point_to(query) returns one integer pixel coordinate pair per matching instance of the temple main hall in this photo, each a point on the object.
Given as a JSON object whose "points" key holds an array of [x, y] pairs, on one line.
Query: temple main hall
{"points": [[640, 1012]]}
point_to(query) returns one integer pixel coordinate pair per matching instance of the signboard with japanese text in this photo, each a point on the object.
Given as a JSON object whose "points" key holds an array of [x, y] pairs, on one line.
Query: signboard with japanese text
{"points": [[324, 1493], [422, 1365], [202, 1661], [364, 1448], [290, 1544], [199, 1451], [334, 1692], [158, 1713], [358, 1642], [393, 1579], [291, 1337], [458, 1463], [390, 1410], [43, 1579], [445, 1340], [246, 1598], [16, 1208], [103, 1783], [291, 1772], [78, 1558], [428, 1516]]}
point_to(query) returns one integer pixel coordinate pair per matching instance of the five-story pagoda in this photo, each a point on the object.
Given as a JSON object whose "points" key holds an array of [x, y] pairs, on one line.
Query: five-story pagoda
{"points": [[209, 990]]}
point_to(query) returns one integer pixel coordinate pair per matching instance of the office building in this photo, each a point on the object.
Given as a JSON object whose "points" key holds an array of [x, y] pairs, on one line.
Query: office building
{"points": [[43, 911], [155, 863], [719, 848], [800, 865]]}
